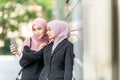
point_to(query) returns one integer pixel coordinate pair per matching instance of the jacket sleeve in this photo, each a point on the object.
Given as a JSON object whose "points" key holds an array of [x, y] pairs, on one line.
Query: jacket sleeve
{"points": [[28, 58], [33, 57], [24, 63], [68, 62]]}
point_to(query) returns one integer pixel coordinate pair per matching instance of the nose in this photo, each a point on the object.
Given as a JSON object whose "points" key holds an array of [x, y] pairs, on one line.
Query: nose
{"points": [[47, 32], [36, 32]]}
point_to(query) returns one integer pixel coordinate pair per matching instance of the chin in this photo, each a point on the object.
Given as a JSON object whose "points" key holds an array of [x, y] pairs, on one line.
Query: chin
{"points": [[50, 38], [39, 37]]}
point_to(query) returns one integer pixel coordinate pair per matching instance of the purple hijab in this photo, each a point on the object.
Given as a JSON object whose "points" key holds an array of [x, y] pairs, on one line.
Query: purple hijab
{"points": [[35, 41], [61, 30]]}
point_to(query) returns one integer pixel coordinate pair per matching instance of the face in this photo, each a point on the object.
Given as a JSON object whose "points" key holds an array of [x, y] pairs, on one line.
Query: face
{"points": [[50, 33], [38, 32]]}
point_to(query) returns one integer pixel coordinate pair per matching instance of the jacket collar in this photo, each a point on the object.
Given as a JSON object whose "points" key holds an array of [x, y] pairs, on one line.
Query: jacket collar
{"points": [[61, 44]]}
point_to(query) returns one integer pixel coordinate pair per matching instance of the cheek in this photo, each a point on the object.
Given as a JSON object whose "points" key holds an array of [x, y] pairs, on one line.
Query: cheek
{"points": [[34, 33], [51, 36], [41, 32]]}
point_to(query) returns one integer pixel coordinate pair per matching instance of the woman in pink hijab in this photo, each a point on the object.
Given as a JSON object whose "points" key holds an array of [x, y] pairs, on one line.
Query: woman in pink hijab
{"points": [[32, 69], [58, 54]]}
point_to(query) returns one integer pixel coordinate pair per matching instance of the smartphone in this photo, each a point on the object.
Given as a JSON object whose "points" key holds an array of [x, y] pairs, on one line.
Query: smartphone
{"points": [[12, 42]]}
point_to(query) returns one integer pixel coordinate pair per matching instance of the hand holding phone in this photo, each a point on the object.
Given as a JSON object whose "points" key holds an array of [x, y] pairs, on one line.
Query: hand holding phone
{"points": [[13, 47], [12, 42]]}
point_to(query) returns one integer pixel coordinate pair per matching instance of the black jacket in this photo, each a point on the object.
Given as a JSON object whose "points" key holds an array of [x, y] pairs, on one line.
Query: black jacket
{"points": [[31, 69], [59, 64]]}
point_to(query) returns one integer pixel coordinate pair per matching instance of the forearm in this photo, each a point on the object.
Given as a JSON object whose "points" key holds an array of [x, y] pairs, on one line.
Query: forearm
{"points": [[33, 56], [25, 63], [68, 74], [68, 69], [68, 63]]}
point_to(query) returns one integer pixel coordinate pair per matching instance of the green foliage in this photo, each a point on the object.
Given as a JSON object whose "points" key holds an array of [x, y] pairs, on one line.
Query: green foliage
{"points": [[15, 12], [47, 6], [5, 50]]}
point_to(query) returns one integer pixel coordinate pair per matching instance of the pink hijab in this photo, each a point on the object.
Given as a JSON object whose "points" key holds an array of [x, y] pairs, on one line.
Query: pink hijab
{"points": [[61, 30], [35, 41]]}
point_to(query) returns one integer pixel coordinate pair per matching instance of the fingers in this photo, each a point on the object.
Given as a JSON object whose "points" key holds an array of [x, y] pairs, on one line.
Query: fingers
{"points": [[13, 49], [42, 46]]}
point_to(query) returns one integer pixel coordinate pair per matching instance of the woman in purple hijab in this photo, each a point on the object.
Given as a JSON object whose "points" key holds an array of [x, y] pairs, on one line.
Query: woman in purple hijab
{"points": [[58, 54], [32, 69]]}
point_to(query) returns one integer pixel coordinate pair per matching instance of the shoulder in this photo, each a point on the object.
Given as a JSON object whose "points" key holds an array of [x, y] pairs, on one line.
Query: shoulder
{"points": [[27, 39], [68, 43]]}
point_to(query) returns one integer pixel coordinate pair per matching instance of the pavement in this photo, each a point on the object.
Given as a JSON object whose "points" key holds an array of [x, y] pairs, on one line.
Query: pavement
{"points": [[9, 67]]}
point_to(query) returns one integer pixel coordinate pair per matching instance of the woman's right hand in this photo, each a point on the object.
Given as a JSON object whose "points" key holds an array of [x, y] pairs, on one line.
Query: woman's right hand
{"points": [[42, 46], [13, 50]]}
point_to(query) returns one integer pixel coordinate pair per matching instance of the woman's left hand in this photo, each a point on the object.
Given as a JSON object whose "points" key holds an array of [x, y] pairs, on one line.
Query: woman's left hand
{"points": [[42, 46]]}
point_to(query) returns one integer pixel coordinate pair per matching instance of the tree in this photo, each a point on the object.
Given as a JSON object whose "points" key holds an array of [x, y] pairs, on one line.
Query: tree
{"points": [[15, 12]]}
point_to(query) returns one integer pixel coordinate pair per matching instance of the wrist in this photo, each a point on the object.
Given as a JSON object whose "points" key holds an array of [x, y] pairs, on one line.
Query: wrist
{"points": [[18, 53]]}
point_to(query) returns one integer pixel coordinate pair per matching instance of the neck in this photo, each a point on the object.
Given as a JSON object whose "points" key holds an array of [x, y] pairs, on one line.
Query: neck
{"points": [[37, 39]]}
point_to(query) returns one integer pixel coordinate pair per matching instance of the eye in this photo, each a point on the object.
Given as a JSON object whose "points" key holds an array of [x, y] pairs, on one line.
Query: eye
{"points": [[49, 29], [39, 28], [33, 29]]}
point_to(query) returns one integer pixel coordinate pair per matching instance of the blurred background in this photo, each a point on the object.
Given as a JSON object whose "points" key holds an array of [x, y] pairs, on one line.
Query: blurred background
{"points": [[94, 32]]}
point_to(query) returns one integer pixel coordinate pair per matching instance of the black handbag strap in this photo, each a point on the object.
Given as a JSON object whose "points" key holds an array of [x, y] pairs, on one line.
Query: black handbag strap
{"points": [[18, 76], [30, 42]]}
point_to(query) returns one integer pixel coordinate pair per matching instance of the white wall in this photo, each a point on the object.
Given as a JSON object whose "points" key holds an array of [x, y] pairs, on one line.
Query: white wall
{"points": [[97, 39]]}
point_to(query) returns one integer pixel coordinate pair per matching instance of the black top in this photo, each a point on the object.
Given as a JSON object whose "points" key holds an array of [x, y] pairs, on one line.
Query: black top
{"points": [[30, 69], [57, 65]]}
